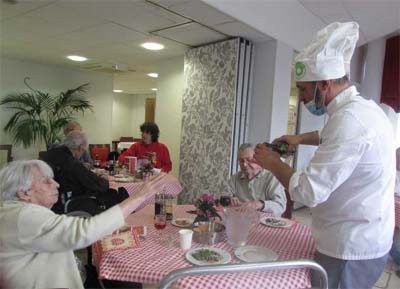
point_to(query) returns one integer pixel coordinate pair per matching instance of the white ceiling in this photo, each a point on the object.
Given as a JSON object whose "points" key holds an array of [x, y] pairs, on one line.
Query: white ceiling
{"points": [[295, 22], [109, 32]]}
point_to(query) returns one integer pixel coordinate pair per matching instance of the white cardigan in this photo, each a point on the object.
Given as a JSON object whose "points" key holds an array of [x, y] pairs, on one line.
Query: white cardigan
{"points": [[36, 245]]}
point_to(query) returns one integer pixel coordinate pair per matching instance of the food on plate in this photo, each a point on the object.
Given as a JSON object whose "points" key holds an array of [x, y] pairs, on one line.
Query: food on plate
{"points": [[275, 222], [206, 255], [182, 222]]}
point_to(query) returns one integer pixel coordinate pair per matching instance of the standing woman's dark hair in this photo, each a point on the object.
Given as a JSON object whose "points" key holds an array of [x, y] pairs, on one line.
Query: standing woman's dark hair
{"points": [[152, 129]]}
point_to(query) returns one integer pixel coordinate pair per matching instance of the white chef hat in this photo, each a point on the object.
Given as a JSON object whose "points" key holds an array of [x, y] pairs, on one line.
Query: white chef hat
{"points": [[329, 54]]}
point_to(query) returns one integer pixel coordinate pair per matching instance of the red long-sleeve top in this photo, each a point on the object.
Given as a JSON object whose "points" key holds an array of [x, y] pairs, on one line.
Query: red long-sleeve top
{"points": [[141, 150]]}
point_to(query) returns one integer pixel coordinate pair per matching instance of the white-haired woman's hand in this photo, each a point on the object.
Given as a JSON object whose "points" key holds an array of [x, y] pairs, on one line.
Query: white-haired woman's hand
{"points": [[148, 190]]}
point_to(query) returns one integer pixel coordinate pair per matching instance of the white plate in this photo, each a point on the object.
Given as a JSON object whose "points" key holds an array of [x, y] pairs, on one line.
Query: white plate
{"points": [[156, 171], [182, 222], [224, 257], [255, 254], [120, 176], [276, 222], [124, 180]]}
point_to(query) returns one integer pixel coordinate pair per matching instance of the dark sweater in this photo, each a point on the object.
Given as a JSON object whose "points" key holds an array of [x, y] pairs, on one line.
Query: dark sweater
{"points": [[72, 176]]}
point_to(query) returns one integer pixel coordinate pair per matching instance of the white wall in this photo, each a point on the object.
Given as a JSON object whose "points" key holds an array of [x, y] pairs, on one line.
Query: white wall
{"points": [[54, 79], [281, 92], [271, 91], [371, 84], [169, 107], [122, 115], [138, 112], [261, 100]]}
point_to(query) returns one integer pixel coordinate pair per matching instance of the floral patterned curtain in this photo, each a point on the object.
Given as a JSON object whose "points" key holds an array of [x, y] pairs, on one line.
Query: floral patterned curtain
{"points": [[207, 118]]}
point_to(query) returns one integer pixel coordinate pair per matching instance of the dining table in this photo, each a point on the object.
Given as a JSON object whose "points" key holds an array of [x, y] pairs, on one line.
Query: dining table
{"points": [[172, 188], [153, 259]]}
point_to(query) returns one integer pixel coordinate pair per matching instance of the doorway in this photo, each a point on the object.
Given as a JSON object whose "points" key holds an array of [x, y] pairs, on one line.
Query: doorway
{"points": [[150, 108]]}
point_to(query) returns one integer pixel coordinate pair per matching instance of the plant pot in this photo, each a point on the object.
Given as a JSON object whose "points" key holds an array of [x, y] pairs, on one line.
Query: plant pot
{"points": [[208, 233]]}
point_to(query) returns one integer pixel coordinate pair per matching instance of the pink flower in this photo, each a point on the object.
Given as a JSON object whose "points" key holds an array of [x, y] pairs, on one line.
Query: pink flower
{"points": [[205, 207]]}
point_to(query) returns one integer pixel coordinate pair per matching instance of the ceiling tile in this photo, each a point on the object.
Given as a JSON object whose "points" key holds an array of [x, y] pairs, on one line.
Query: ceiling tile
{"points": [[64, 17], [328, 11], [21, 7], [198, 11], [100, 35], [138, 15], [192, 34], [236, 28]]}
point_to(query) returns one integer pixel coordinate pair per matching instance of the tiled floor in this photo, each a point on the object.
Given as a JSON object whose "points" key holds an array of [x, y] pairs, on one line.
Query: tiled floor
{"points": [[389, 278]]}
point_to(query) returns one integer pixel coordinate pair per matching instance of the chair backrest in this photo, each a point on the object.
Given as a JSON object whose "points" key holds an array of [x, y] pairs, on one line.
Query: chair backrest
{"points": [[42, 154], [126, 138], [5, 155], [100, 150], [232, 268]]}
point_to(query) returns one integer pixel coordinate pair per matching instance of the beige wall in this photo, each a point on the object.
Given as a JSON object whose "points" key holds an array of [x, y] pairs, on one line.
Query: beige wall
{"points": [[138, 111], [128, 114], [114, 114], [121, 115], [169, 107]]}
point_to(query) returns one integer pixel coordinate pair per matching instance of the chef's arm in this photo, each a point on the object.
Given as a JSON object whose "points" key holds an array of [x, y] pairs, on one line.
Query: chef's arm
{"points": [[281, 171], [309, 138]]}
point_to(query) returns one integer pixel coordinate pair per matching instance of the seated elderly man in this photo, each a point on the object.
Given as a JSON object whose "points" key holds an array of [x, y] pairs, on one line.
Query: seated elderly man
{"points": [[74, 178], [72, 126], [256, 186], [37, 244]]}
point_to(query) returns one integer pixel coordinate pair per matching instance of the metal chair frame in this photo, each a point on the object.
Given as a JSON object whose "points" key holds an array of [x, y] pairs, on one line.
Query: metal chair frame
{"points": [[231, 268]]}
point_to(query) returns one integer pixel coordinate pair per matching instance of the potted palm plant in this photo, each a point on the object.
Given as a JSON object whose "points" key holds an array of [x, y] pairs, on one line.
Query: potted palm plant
{"points": [[40, 116]]}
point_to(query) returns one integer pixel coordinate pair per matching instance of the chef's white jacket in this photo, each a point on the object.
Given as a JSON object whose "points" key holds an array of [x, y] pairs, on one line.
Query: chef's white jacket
{"points": [[350, 180]]}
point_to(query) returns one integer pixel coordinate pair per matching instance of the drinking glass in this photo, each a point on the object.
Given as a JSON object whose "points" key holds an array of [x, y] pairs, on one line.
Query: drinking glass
{"points": [[160, 222], [225, 201]]}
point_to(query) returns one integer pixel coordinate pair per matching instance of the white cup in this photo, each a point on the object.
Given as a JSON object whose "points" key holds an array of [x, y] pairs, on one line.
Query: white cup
{"points": [[185, 237]]}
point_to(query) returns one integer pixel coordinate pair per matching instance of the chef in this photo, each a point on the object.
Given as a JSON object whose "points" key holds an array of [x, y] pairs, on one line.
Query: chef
{"points": [[349, 181]]}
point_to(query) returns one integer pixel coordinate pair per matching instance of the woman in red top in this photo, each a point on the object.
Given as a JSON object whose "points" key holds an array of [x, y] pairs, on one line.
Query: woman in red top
{"points": [[150, 145]]}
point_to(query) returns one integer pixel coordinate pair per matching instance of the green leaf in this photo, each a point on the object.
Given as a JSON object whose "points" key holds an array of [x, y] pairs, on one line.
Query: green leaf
{"points": [[39, 116]]}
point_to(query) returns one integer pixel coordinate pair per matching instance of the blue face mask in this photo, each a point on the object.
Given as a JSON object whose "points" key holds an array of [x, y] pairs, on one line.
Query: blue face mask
{"points": [[313, 107]]}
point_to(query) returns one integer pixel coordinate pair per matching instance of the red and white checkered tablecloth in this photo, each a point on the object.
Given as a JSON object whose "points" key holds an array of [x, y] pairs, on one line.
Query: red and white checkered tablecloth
{"points": [[172, 188], [154, 260], [397, 211]]}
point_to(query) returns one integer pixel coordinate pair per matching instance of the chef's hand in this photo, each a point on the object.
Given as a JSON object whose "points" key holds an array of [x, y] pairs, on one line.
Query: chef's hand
{"points": [[265, 157], [256, 205], [292, 140]]}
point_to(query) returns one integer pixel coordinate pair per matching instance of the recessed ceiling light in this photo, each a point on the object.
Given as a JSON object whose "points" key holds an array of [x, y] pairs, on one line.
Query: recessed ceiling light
{"points": [[152, 46], [153, 74], [154, 89], [118, 90], [76, 58]]}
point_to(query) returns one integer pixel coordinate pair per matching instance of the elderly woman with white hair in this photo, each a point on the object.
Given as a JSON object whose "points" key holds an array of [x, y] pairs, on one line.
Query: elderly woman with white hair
{"points": [[36, 245]]}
